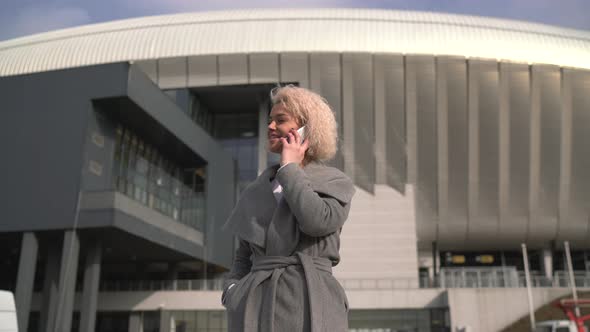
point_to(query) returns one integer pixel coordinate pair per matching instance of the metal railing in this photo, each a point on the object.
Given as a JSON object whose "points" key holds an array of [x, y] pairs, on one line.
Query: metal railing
{"points": [[484, 277], [581, 279], [161, 285], [491, 277], [376, 284]]}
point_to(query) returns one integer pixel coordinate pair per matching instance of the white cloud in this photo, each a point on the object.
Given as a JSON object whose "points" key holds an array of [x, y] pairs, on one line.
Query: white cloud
{"points": [[40, 18]]}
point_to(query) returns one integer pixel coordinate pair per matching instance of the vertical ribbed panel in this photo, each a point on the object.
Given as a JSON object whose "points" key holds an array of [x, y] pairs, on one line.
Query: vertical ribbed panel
{"points": [[452, 97], [347, 121], [515, 144], [380, 122], [294, 67], [486, 81], [150, 68], [233, 69], [390, 94], [202, 71], [264, 68], [172, 73], [579, 204], [325, 79], [564, 228], [473, 146], [411, 114], [422, 68], [504, 150], [358, 100], [545, 149], [442, 145]]}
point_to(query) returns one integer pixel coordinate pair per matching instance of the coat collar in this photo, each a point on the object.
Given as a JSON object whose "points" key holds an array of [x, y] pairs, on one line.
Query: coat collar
{"points": [[257, 209]]}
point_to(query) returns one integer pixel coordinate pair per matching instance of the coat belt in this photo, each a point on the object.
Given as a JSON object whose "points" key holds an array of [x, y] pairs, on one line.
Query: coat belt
{"points": [[265, 267]]}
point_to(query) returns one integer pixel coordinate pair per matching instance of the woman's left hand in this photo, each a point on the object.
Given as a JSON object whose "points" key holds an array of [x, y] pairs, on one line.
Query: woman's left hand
{"points": [[293, 148]]}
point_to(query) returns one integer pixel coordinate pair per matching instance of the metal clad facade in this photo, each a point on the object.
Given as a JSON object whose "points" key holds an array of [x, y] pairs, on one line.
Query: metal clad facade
{"points": [[202, 71], [294, 67], [233, 69], [452, 98], [172, 73], [264, 68], [358, 119], [422, 68], [485, 74], [325, 73], [579, 208], [546, 108], [317, 30], [395, 121], [515, 89], [490, 135]]}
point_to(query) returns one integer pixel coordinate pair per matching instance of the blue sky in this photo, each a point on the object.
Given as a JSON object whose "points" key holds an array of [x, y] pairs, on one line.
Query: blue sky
{"points": [[25, 17]]}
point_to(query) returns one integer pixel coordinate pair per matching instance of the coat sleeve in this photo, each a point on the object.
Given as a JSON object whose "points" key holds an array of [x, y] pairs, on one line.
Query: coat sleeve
{"points": [[317, 213], [240, 267]]}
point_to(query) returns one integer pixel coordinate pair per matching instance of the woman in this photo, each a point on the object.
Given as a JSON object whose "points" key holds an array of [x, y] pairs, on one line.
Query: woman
{"points": [[288, 222]]}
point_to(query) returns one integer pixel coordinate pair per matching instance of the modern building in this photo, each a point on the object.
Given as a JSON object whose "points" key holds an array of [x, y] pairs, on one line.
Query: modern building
{"points": [[128, 142]]}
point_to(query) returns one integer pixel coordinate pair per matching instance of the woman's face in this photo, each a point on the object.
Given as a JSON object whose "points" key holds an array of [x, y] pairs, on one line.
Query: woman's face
{"points": [[280, 123]]}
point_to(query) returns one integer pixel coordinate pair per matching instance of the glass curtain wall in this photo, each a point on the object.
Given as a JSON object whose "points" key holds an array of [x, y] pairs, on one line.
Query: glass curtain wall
{"points": [[142, 173], [238, 134]]}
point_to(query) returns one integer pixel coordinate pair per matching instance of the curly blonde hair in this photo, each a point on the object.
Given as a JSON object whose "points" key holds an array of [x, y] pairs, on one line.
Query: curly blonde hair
{"points": [[312, 111]]}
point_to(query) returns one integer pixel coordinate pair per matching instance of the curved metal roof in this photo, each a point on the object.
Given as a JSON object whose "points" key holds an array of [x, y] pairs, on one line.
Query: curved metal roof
{"points": [[296, 30]]}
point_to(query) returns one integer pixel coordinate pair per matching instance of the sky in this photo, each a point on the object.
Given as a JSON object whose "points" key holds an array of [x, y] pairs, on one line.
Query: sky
{"points": [[24, 17]]}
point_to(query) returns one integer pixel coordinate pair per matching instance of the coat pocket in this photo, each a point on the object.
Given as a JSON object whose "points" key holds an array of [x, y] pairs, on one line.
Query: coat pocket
{"points": [[341, 291], [229, 299]]}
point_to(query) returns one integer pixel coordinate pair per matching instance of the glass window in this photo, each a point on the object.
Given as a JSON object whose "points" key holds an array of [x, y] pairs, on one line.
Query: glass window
{"points": [[143, 174]]}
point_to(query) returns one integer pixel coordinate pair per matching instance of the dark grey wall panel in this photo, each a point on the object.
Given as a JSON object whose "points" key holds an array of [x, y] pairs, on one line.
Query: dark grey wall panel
{"points": [[99, 152], [264, 68], [390, 94], [483, 85], [325, 79], [421, 72], [233, 69], [358, 100], [514, 207], [452, 96], [44, 116], [546, 101], [294, 67], [574, 227]]}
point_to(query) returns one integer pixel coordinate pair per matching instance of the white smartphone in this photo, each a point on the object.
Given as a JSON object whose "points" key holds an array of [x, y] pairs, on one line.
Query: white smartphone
{"points": [[301, 132]]}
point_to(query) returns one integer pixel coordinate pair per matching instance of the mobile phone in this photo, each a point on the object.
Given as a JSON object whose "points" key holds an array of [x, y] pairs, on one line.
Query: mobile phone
{"points": [[301, 132]]}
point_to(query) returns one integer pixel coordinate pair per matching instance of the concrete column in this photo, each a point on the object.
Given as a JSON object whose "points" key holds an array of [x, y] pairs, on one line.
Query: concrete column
{"points": [[173, 274], [91, 285], [547, 263], [25, 278], [50, 288], [135, 322], [67, 281], [165, 321]]}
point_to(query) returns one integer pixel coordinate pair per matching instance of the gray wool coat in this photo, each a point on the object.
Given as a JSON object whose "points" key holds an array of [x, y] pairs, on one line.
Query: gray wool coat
{"points": [[283, 265]]}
